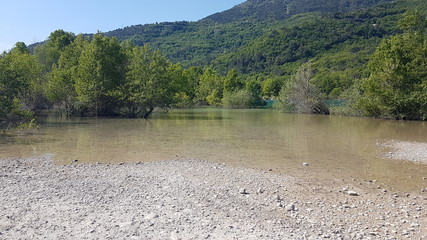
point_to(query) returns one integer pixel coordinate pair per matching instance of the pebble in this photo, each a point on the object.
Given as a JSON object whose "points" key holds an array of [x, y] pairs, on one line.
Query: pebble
{"points": [[191, 199], [352, 193], [151, 216], [243, 191], [290, 207]]}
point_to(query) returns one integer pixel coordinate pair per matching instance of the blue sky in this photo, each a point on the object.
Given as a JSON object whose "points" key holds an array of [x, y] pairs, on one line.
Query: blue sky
{"points": [[32, 21]]}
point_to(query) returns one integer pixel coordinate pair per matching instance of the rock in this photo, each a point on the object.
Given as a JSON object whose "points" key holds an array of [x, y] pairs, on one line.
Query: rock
{"points": [[414, 225], [151, 216], [352, 193], [306, 164], [243, 191], [290, 207]]}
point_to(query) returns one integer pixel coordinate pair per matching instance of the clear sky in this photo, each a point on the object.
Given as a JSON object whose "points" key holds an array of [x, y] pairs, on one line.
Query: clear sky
{"points": [[32, 21]]}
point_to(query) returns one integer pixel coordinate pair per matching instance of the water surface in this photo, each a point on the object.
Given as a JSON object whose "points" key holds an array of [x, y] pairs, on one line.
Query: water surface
{"points": [[335, 147]]}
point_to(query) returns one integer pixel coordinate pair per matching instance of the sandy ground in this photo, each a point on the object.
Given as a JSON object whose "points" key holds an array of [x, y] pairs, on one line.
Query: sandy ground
{"points": [[409, 151], [192, 199]]}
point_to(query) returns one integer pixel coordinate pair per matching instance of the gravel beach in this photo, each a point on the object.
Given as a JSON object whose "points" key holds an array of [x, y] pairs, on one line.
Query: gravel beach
{"points": [[409, 151], [192, 199]]}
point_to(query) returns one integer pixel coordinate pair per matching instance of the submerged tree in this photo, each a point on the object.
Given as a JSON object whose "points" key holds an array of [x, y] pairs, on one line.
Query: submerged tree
{"points": [[149, 83], [100, 73], [300, 95]]}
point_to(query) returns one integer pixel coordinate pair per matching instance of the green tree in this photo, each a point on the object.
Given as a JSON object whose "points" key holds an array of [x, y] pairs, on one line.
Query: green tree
{"points": [[150, 82], [232, 82], [210, 88], [19, 72], [60, 87], [49, 52], [101, 71], [271, 86], [192, 77], [397, 86]]}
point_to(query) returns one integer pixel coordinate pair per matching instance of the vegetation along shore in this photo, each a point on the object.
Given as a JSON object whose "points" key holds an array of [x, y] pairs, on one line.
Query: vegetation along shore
{"points": [[365, 59]]}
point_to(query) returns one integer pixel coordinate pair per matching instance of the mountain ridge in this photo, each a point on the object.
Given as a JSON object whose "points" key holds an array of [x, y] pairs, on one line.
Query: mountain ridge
{"points": [[282, 9], [198, 43]]}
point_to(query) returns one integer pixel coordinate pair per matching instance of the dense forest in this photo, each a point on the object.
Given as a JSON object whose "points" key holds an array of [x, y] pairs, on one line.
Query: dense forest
{"points": [[364, 58]]}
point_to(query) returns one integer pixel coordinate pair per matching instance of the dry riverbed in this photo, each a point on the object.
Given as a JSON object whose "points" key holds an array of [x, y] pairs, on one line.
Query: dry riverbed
{"points": [[192, 199]]}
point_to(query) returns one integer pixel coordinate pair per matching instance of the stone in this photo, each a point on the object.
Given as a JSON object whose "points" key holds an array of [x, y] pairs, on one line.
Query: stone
{"points": [[290, 207], [151, 216], [306, 164], [352, 193], [243, 191]]}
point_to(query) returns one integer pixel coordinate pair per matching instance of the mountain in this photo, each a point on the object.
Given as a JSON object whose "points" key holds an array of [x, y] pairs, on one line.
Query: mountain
{"points": [[261, 10], [199, 43]]}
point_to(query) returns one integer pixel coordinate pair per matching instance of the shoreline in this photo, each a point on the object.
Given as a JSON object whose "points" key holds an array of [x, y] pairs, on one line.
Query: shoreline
{"points": [[196, 199], [406, 151]]}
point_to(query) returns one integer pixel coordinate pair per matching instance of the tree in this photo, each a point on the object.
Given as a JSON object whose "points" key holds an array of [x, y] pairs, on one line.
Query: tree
{"points": [[19, 72], [192, 77], [100, 73], [397, 86], [300, 95], [48, 53], [149, 82], [210, 88], [271, 87], [232, 82], [60, 87]]}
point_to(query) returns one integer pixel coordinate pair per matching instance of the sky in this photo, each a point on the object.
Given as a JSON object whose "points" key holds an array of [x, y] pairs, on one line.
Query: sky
{"points": [[31, 21]]}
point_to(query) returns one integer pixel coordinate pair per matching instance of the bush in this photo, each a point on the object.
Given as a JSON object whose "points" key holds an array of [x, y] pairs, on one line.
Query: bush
{"points": [[239, 99], [301, 96]]}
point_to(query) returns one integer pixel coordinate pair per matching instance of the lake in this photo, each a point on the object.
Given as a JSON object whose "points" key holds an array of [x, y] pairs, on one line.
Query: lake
{"points": [[335, 147]]}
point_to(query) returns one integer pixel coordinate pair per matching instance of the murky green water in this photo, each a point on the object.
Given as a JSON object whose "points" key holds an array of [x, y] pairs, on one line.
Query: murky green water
{"points": [[335, 147]]}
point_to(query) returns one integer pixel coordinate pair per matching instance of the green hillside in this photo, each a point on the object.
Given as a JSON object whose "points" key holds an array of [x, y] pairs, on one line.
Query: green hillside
{"points": [[261, 10], [198, 43]]}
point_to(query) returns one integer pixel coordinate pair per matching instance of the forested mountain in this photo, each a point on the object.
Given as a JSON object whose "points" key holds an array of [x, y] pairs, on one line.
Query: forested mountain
{"points": [[262, 10], [198, 43]]}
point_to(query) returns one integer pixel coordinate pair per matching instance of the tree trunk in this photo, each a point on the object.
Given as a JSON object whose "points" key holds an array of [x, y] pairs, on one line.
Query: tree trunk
{"points": [[147, 112]]}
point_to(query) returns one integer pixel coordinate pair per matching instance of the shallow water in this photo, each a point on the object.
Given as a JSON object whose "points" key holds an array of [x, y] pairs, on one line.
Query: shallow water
{"points": [[335, 147]]}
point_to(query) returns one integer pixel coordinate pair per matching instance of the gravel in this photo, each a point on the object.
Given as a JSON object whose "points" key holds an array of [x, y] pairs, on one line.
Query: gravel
{"points": [[193, 199], [410, 151]]}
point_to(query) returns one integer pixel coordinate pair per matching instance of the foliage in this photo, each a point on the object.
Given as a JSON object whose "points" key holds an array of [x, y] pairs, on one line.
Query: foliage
{"points": [[149, 82], [232, 82], [27, 128], [61, 80], [397, 86], [210, 89], [271, 87], [239, 99], [48, 54], [19, 72], [100, 72], [230, 59], [273, 9], [299, 95]]}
